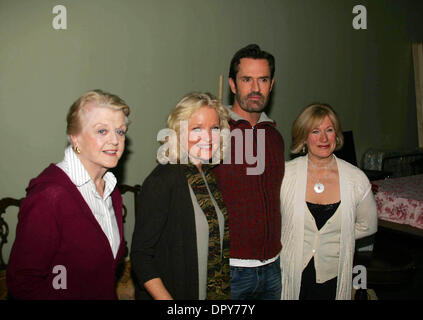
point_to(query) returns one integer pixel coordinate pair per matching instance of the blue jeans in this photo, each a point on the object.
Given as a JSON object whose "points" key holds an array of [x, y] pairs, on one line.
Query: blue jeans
{"points": [[258, 283]]}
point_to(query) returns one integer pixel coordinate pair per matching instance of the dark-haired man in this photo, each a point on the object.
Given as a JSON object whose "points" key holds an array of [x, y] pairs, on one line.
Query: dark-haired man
{"points": [[252, 197]]}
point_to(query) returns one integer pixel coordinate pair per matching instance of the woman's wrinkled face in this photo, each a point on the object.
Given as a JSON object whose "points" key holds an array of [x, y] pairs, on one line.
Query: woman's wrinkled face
{"points": [[321, 140], [203, 134], [102, 137]]}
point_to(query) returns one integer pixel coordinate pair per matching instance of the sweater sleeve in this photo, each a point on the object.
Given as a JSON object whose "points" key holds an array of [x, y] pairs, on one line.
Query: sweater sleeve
{"points": [[150, 222], [29, 273], [366, 214]]}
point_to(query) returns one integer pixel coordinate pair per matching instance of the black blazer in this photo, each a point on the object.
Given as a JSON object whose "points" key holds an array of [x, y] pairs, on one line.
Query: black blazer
{"points": [[164, 242]]}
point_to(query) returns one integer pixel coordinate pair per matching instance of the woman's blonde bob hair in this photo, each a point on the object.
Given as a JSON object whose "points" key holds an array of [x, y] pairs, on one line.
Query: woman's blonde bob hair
{"points": [[183, 110], [311, 117], [102, 98]]}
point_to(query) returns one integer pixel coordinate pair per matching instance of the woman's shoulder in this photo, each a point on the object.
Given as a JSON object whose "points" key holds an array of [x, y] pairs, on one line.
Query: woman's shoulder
{"points": [[50, 189], [166, 170], [165, 182], [164, 174], [351, 170], [291, 165], [51, 179], [354, 175], [295, 161]]}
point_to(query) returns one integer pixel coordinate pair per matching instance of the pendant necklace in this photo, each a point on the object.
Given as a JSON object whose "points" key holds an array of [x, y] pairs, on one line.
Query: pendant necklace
{"points": [[320, 187]]}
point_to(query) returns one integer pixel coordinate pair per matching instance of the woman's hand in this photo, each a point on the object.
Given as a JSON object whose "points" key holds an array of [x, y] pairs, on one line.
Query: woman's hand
{"points": [[157, 290]]}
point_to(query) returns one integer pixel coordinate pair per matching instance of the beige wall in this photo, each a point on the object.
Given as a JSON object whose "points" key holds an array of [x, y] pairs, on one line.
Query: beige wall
{"points": [[153, 52]]}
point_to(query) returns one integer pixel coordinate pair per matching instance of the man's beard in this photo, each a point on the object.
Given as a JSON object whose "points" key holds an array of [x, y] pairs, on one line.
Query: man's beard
{"points": [[251, 105]]}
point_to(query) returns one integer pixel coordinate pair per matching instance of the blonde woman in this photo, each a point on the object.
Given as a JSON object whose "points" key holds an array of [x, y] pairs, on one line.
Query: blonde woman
{"points": [[69, 238], [180, 245], [326, 204]]}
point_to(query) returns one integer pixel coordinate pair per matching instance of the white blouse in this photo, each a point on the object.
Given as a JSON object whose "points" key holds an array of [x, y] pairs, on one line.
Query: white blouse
{"points": [[322, 245], [102, 208]]}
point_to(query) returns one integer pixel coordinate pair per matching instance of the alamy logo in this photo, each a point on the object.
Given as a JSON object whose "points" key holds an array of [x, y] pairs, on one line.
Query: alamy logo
{"points": [[60, 20], [60, 281], [248, 147], [360, 20], [360, 280]]}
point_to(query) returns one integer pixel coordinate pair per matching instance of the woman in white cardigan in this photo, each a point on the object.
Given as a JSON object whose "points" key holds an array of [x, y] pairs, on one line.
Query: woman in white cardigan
{"points": [[327, 204]]}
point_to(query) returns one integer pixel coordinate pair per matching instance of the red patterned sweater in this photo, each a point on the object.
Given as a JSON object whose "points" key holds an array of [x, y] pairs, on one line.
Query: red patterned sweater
{"points": [[253, 201]]}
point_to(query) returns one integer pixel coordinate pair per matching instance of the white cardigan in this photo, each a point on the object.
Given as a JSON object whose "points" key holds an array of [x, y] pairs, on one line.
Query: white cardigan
{"points": [[359, 219]]}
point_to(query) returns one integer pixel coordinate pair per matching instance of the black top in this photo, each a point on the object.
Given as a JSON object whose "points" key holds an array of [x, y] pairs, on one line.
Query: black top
{"points": [[164, 241], [322, 212]]}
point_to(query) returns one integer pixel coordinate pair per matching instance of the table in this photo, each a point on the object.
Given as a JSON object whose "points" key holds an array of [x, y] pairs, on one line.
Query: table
{"points": [[400, 203]]}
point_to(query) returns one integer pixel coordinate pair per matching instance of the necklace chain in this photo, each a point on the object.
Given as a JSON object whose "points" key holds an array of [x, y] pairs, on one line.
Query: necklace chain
{"points": [[322, 167], [320, 187]]}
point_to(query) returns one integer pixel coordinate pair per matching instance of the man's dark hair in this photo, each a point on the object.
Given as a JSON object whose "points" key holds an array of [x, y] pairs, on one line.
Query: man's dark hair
{"points": [[251, 51]]}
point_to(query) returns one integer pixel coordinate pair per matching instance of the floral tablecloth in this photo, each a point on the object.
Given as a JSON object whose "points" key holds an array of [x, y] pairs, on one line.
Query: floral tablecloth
{"points": [[400, 200]]}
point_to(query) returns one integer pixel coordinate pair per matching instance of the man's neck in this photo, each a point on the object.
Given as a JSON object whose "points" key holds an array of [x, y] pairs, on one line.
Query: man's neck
{"points": [[251, 117]]}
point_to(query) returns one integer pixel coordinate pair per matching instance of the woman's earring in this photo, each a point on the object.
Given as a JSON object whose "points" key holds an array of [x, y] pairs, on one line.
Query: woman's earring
{"points": [[304, 149], [78, 151]]}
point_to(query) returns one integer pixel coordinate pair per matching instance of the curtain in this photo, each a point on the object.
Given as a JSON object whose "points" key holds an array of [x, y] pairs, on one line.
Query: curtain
{"points": [[418, 79]]}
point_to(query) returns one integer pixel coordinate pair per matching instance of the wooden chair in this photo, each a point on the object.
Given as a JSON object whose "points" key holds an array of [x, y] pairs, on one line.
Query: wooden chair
{"points": [[125, 289], [123, 188], [5, 203]]}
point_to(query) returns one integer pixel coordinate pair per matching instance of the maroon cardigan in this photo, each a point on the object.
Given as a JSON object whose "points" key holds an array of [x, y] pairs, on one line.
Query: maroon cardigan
{"points": [[57, 228]]}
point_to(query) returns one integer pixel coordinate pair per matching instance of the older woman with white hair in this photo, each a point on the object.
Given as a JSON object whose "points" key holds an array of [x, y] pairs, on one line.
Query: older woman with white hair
{"points": [[69, 237], [326, 204], [180, 245]]}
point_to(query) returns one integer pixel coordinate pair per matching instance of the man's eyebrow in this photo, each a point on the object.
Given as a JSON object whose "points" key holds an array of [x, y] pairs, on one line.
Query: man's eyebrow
{"points": [[261, 77]]}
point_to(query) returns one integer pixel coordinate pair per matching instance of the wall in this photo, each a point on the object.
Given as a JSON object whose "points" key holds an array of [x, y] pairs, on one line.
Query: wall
{"points": [[153, 52]]}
